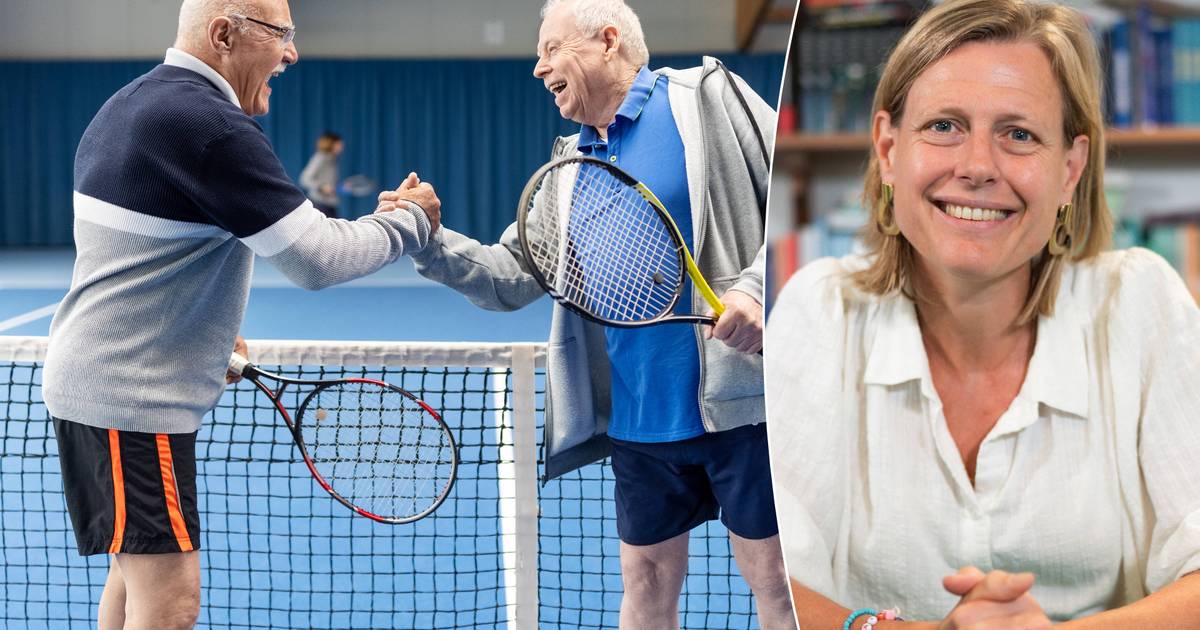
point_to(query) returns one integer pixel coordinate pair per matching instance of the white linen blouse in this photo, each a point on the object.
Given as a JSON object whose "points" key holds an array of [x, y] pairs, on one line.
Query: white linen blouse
{"points": [[1090, 478]]}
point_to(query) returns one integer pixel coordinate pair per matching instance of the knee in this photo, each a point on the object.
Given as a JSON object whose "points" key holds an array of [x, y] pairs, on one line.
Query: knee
{"points": [[771, 588], [767, 578], [774, 589], [647, 576]]}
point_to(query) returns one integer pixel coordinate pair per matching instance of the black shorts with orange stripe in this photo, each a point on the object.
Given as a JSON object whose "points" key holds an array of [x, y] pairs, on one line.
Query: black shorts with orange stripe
{"points": [[129, 492]]}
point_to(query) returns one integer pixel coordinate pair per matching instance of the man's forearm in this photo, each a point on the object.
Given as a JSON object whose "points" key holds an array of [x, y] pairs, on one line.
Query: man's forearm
{"points": [[490, 276], [330, 252]]}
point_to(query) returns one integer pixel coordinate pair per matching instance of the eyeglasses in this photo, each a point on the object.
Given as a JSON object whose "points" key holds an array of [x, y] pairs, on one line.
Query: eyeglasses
{"points": [[286, 33]]}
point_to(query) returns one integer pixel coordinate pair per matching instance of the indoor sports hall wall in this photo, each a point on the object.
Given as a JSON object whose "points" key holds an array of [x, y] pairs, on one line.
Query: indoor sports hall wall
{"points": [[475, 128]]}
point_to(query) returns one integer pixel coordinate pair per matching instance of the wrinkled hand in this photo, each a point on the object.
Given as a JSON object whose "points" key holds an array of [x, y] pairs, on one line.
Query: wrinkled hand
{"points": [[998, 600], [239, 346], [414, 190], [741, 325]]}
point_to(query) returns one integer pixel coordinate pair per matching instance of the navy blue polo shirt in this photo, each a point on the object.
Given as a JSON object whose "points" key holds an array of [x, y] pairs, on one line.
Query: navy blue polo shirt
{"points": [[656, 369]]}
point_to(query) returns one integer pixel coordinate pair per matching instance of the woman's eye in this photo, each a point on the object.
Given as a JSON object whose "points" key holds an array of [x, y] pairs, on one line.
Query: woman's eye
{"points": [[1020, 135]]}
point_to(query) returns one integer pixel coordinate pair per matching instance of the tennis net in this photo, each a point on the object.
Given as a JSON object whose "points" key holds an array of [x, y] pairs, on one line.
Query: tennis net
{"points": [[504, 551]]}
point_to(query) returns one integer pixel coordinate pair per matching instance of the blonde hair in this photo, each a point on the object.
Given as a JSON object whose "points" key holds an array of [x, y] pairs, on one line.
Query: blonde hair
{"points": [[591, 16], [1064, 37]]}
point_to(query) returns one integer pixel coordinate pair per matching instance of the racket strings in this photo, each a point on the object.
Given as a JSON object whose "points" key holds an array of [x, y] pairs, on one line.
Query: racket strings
{"points": [[627, 293], [627, 241], [601, 245], [377, 448]]}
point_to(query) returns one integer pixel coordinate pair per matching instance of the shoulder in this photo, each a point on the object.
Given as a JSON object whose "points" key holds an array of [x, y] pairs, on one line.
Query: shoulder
{"points": [[705, 78], [1137, 303], [823, 284], [320, 159], [183, 92], [816, 306], [687, 77], [173, 106], [1130, 283]]}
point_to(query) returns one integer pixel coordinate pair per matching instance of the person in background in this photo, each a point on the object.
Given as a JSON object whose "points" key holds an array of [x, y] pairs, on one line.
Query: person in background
{"points": [[320, 176]]}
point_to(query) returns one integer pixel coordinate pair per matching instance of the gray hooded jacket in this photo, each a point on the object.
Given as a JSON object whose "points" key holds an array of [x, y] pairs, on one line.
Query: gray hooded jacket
{"points": [[727, 177]]}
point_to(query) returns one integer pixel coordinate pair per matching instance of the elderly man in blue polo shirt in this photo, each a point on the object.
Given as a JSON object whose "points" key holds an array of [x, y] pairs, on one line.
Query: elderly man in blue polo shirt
{"points": [[680, 408]]}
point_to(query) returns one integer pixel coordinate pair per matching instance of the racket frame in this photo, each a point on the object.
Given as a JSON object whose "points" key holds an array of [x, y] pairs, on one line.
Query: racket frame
{"points": [[245, 368], [682, 252]]}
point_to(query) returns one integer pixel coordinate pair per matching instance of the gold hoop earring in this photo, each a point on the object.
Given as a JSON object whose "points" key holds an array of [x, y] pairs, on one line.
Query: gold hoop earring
{"points": [[1062, 238], [886, 224]]}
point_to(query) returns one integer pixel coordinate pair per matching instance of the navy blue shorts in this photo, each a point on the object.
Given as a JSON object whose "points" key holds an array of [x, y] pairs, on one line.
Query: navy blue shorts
{"points": [[129, 492], [665, 489]]}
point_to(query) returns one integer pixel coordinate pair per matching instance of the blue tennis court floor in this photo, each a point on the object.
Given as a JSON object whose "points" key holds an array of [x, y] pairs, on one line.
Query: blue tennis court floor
{"points": [[395, 304]]}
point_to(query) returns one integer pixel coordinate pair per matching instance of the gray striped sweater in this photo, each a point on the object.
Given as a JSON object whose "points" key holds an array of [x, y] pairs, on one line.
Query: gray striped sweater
{"points": [[176, 190]]}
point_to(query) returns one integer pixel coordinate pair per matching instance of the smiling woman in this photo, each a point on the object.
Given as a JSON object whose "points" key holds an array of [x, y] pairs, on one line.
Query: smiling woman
{"points": [[1034, 103], [939, 405]]}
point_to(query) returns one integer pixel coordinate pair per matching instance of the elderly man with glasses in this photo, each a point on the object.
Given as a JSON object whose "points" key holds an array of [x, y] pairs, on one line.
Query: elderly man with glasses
{"points": [[679, 408], [176, 190]]}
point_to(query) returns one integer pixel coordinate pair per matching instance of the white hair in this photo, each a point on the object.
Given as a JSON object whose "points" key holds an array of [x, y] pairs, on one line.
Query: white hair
{"points": [[591, 16], [196, 15]]}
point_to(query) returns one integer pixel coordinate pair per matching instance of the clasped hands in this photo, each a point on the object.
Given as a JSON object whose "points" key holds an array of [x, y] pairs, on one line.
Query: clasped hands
{"points": [[996, 600], [416, 191]]}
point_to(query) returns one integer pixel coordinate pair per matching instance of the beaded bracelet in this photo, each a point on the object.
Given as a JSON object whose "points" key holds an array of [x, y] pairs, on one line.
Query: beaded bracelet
{"points": [[873, 617], [858, 613]]}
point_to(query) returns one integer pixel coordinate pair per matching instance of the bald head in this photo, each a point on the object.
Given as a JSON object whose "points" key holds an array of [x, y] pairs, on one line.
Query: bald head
{"points": [[246, 52], [196, 15]]}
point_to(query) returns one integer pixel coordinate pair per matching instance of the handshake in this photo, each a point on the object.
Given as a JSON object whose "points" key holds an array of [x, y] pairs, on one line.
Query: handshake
{"points": [[412, 189]]}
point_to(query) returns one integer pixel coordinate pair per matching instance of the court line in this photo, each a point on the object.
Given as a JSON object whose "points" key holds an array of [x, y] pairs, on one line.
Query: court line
{"points": [[31, 316]]}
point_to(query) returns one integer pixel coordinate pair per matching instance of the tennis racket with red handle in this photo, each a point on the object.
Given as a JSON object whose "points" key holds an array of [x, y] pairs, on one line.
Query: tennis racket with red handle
{"points": [[374, 447]]}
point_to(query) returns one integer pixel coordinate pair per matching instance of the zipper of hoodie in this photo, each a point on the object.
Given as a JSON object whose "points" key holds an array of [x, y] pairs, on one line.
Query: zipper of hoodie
{"points": [[698, 240]]}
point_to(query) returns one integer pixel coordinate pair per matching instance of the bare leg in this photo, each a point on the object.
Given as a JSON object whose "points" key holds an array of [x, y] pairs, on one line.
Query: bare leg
{"points": [[162, 590], [761, 564], [112, 600], [653, 577]]}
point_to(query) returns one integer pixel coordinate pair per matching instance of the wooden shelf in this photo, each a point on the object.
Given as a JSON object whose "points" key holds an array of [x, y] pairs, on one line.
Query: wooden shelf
{"points": [[752, 15], [793, 143], [1160, 137]]}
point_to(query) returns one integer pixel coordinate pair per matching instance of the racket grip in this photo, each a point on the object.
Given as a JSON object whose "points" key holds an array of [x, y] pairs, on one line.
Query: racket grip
{"points": [[238, 363]]}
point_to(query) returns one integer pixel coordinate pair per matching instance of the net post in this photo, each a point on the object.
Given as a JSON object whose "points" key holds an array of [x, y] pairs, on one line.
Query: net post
{"points": [[524, 405]]}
